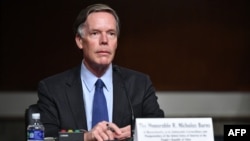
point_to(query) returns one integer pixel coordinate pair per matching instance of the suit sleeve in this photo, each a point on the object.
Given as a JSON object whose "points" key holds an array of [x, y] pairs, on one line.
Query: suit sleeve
{"points": [[48, 110], [151, 106]]}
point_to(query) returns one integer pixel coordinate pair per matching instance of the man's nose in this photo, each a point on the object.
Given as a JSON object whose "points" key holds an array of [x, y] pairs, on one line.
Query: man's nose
{"points": [[104, 38]]}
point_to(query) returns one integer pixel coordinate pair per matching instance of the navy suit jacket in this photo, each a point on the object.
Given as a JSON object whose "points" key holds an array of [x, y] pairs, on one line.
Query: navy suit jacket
{"points": [[62, 107]]}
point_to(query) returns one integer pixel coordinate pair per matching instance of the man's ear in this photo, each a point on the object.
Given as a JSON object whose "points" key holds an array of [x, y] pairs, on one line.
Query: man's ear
{"points": [[79, 41]]}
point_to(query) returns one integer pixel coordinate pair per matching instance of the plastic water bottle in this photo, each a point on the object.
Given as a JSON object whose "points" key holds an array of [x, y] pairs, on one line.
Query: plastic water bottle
{"points": [[35, 131]]}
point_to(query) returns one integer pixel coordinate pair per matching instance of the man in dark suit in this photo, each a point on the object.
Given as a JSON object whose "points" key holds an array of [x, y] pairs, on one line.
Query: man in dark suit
{"points": [[66, 100]]}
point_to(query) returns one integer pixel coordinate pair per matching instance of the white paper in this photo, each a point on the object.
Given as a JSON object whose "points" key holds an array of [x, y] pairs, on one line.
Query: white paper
{"points": [[174, 129]]}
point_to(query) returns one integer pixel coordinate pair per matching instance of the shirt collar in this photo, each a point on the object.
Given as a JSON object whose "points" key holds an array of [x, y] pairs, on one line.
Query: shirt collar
{"points": [[89, 79]]}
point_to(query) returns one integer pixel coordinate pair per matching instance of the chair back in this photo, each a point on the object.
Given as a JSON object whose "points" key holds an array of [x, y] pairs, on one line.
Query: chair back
{"points": [[28, 114]]}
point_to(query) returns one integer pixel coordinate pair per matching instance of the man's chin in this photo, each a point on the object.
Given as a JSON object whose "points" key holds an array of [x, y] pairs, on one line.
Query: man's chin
{"points": [[104, 63]]}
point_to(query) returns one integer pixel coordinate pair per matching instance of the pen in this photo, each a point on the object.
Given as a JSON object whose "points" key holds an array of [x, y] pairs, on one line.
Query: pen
{"points": [[110, 128]]}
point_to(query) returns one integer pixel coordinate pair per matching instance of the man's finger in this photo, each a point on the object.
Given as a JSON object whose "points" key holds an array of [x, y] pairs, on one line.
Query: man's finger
{"points": [[114, 128]]}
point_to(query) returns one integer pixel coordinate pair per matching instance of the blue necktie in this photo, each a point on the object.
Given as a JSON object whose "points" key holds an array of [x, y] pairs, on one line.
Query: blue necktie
{"points": [[100, 110]]}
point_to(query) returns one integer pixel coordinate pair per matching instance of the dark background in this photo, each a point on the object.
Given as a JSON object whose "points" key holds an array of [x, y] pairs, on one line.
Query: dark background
{"points": [[196, 45]]}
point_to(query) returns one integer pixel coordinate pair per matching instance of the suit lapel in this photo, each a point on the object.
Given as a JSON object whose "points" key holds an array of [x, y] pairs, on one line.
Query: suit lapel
{"points": [[75, 97], [74, 94], [120, 102]]}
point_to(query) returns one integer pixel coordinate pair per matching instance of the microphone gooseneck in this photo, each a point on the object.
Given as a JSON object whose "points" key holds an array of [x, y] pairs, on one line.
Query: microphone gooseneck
{"points": [[129, 101]]}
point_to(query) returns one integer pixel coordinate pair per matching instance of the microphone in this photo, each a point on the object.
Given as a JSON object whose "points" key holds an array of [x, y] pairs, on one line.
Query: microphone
{"points": [[129, 101]]}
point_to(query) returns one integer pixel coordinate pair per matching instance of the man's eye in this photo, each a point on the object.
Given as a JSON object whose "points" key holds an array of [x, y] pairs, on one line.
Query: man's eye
{"points": [[94, 33], [112, 33]]}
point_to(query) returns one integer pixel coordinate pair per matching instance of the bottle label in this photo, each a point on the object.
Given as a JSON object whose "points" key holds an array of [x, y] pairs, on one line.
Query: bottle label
{"points": [[35, 135]]}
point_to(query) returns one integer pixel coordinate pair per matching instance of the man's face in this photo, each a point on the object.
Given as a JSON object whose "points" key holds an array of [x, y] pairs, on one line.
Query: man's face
{"points": [[99, 40]]}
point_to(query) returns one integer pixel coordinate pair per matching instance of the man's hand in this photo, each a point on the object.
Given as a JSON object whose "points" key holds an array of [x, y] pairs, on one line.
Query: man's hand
{"points": [[104, 131], [125, 133]]}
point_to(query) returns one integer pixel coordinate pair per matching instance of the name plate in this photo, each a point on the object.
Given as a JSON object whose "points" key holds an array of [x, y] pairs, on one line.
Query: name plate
{"points": [[174, 129]]}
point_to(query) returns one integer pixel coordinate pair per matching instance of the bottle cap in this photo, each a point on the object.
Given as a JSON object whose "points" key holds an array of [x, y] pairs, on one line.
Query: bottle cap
{"points": [[35, 115]]}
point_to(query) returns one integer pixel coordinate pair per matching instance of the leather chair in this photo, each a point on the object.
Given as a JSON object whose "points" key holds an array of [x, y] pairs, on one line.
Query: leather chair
{"points": [[28, 114]]}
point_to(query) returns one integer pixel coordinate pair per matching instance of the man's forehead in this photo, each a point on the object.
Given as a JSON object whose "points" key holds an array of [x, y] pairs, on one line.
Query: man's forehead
{"points": [[100, 19]]}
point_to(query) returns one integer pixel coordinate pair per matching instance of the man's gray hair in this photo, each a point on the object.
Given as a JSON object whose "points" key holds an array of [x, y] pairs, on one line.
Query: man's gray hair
{"points": [[81, 18]]}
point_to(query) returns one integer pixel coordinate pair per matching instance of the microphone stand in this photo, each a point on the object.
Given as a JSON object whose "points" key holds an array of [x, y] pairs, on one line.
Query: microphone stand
{"points": [[130, 105]]}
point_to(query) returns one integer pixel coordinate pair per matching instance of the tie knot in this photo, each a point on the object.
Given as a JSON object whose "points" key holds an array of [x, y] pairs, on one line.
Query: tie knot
{"points": [[99, 83]]}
